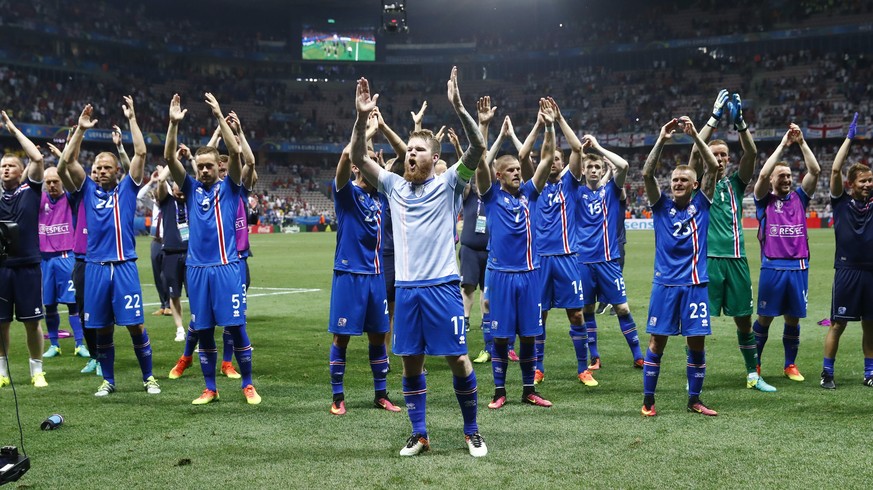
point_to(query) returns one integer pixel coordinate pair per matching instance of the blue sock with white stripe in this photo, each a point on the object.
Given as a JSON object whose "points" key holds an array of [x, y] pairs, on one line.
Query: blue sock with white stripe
{"points": [[142, 346], [791, 342], [467, 392], [540, 344], [591, 327], [106, 356], [761, 335], [651, 372], [191, 339], [696, 371], [337, 369], [242, 350], [486, 334], [579, 336], [52, 323], [75, 323], [415, 396], [208, 356], [629, 330], [499, 363], [379, 367]]}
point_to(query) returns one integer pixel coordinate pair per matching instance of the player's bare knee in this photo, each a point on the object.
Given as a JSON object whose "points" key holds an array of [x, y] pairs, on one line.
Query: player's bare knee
{"points": [[575, 316], [342, 341], [765, 321], [622, 309], [588, 309], [657, 343]]}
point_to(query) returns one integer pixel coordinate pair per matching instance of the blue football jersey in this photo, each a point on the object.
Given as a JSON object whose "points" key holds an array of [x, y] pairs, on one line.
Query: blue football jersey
{"points": [[680, 241], [359, 229], [110, 216], [556, 217], [211, 220], [599, 213], [853, 229], [511, 241], [21, 205]]}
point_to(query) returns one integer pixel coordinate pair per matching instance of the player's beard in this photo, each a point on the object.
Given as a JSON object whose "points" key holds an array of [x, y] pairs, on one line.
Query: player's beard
{"points": [[419, 174]]}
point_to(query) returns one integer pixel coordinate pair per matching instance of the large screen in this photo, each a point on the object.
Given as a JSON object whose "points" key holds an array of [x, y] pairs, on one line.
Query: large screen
{"points": [[335, 44]]}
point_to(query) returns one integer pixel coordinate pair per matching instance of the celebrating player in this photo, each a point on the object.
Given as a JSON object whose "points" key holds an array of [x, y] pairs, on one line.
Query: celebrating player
{"points": [[215, 288], [852, 297], [113, 295], [599, 246], [730, 283], [56, 240], [20, 275], [784, 282], [513, 261], [429, 316], [678, 304], [358, 301]]}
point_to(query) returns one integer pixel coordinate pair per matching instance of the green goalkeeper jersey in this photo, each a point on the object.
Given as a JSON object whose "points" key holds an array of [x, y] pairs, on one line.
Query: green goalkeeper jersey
{"points": [[725, 237]]}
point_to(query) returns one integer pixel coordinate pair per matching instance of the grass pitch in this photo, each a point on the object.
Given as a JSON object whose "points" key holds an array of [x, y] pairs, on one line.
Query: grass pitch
{"points": [[801, 436], [328, 51]]}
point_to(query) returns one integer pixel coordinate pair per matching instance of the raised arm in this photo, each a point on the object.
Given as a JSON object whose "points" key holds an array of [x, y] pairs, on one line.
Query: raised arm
{"points": [[527, 167], [762, 185], [394, 140], [619, 164], [35, 166], [707, 180], [75, 173], [358, 152], [215, 139], [234, 166], [486, 114], [137, 163], [509, 131], [343, 168], [653, 192], [249, 172], [417, 117], [483, 171], [750, 150], [813, 169], [575, 166], [547, 151], [456, 143], [171, 145], [123, 159], [160, 176], [477, 143], [840, 159]]}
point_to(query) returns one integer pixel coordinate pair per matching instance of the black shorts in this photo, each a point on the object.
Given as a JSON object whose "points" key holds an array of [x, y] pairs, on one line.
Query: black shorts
{"points": [[473, 263], [173, 267], [388, 268], [852, 297], [21, 293]]}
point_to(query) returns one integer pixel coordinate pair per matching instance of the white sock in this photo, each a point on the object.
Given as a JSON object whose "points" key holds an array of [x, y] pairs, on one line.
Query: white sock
{"points": [[35, 366], [4, 368]]}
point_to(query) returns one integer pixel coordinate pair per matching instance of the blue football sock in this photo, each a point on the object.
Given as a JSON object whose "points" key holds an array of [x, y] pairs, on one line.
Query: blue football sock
{"points": [[242, 349], [651, 371], [761, 334], [486, 335], [527, 361], [75, 323], [499, 363], [696, 371], [467, 391], [379, 367], [191, 339], [52, 323], [511, 344], [579, 336], [106, 356], [629, 330], [337, 368], [868, 367], [208, 356], [227, 340], [415, 396], [540, 343], [828, 366], [791, 342], [143, 349], [591, 327]]}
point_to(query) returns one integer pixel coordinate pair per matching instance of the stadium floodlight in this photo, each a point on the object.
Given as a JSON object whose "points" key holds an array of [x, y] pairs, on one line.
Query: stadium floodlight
{"points": [[394, 16]]}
